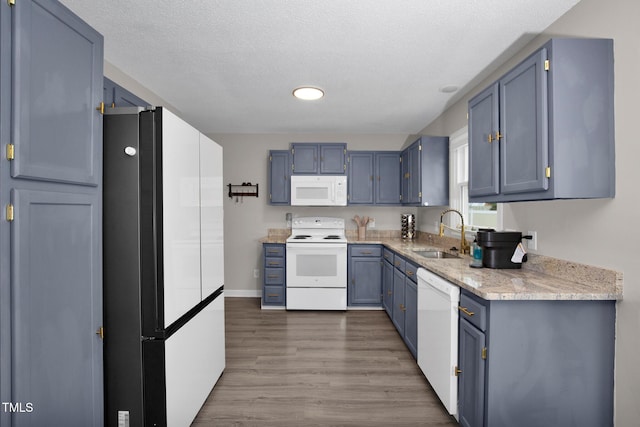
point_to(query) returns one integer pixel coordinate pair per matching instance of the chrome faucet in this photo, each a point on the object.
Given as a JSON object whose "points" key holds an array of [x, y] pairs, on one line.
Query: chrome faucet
{"points": [[464, 246]]}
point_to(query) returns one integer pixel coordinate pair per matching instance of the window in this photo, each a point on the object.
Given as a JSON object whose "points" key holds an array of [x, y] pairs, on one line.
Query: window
{"points": [[476, 215]]}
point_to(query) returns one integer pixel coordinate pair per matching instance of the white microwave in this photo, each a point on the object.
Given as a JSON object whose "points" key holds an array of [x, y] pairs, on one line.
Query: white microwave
{"points": [[318, 190]]}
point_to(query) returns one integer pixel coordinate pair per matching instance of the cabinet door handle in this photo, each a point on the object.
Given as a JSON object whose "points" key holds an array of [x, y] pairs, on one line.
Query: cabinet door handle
{"points": [[465, 310], [457, 371], [389, 293], [490, 138], [498, 135], [402, 307]]}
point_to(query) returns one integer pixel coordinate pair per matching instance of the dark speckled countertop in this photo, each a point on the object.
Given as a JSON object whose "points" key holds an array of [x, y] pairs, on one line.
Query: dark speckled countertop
{"points": [[540, 278]]}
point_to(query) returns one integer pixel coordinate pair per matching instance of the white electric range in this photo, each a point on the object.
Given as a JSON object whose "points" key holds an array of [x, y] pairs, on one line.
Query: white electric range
{"points": [[317, 264]]}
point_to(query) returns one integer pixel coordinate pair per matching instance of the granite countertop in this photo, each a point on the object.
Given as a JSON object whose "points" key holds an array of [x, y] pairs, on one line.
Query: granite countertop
{"points": [[540, 278]]}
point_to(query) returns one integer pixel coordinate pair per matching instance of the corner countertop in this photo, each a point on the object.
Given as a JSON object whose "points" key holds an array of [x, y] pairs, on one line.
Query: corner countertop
{"points": [[540, 278]]}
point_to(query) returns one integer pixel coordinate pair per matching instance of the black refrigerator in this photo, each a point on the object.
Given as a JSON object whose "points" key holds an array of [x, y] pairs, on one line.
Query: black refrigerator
{"points": [[163, 268]]}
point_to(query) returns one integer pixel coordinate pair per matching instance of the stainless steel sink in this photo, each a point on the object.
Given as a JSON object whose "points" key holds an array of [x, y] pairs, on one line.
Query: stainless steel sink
{"points": [[434, 253]]}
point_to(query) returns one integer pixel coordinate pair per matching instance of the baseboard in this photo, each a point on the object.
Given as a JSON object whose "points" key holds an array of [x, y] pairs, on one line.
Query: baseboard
{"points": [[229, 293]]}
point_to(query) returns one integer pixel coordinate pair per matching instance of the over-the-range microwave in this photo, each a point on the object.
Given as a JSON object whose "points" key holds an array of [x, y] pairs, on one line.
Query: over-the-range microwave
{"points": [[318, 190]]}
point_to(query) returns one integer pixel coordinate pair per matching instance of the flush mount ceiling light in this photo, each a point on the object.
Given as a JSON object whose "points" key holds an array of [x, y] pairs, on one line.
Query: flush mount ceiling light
{"points": [[308, 93], [448, 89]]}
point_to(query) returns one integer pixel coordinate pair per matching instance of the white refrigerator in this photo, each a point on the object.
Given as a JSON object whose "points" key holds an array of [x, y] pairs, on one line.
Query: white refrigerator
{"points": [[164, 346]]}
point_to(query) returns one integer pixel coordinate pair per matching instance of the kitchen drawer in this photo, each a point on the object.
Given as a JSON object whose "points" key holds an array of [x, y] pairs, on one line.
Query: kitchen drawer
{"points": [[274, 250], [365, 250], [388, 255], [274, 276], [474, 311], [411, 271], [399, 262], [271, 262], [273, 295]]}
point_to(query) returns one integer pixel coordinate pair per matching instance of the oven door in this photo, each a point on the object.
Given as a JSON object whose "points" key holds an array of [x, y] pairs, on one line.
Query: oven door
{"points": [[316, 265]]}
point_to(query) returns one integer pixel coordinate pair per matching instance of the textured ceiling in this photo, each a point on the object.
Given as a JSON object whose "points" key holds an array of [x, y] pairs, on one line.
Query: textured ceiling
{"points": [[230, 66]]}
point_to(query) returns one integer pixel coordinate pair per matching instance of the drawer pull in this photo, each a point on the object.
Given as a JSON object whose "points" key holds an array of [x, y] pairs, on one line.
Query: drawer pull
{"points": [[273, 276], [389, 293], [274, 263], [366, 252], [273, 295], [409, 273], [465, 310], [273, 253]]}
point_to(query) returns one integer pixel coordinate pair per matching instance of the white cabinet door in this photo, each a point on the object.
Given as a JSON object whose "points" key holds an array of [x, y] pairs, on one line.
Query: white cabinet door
{"points": [[181, 216], [211, 216]]}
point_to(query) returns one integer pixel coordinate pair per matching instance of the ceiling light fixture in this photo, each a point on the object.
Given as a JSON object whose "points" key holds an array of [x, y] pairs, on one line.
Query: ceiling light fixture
{"points": [[448, 89], [308, 93]]}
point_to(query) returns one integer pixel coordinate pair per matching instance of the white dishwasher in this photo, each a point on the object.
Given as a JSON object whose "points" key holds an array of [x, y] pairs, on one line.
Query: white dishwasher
{"points": [[438, 336]]}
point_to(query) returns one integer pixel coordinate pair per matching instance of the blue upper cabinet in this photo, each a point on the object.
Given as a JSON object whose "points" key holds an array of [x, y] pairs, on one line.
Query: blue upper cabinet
{"points": [[387, 177], [361, 176], [425, 172], [117, 96], [323, 158], [55, 95], [279, 177], [545, 130], [374, 177], [483, 150]]}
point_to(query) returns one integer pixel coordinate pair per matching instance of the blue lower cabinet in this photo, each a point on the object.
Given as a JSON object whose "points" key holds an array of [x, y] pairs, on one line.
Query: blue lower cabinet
{"points": [[364, 279], [387, 285], [402, 296], [273, 274], [535, 362], [411, 317]]}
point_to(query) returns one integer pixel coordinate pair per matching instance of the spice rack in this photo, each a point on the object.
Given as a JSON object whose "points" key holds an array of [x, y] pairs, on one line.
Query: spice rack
{"points": [[241, 190]]}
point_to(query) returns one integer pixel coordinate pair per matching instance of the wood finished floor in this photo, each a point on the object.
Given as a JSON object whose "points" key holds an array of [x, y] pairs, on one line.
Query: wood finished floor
{"points": [[314, 368]]}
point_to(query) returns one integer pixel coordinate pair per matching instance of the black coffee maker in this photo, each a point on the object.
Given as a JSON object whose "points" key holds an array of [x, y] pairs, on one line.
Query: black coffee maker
{"points": [[498, 248]]}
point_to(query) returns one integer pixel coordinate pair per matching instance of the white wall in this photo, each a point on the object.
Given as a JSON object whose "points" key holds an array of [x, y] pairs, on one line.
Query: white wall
{"points": [[598, 232], [246, 221]]}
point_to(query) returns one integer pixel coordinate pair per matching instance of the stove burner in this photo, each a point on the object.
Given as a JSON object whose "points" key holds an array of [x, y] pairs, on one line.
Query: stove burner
{"points": [[301, 236], [333, 237]]}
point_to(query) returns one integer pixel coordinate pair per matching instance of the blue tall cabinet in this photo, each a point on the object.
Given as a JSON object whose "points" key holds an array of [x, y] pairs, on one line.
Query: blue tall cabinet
{"points": [[51, 82]]}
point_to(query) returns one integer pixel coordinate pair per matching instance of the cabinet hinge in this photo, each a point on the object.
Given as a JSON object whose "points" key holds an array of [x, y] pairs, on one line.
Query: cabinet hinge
{"points": [[484, 353], [344, 150], [420, 194], [292, 150], [9, 212], [547, 65], [270, 158], [419, 147], [547, 172], [11, 153], [293, 167], [345, 167], [269, 196], [11, 2], [100, 332]]}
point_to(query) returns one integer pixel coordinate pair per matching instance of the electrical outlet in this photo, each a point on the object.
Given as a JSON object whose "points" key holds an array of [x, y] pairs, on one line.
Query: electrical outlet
{"points": [[533, 243], [256, 273], [372, 223]]}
